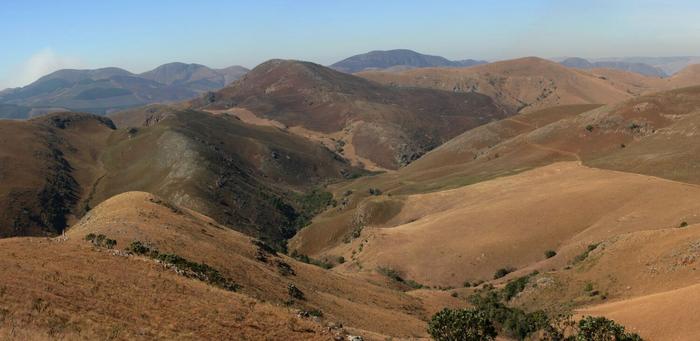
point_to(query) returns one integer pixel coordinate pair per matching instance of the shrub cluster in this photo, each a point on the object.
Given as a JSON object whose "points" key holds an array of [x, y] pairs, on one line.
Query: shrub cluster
{"points": [[490, 316], [396, 277], [461, 324], [308, 260], [101, 240], [200, 271]]}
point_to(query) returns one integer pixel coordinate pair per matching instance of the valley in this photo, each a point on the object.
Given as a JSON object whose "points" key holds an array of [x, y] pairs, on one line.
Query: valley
{"points": [[303, 203]]}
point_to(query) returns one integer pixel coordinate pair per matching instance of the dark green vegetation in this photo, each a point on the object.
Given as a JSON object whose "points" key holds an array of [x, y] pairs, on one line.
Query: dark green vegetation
{"points": [[491, 316], [294, 292], [502, 272], [516, 286], [103, 90], [461, 325], [550, 253], [308, 260], [184, 267], [101, 240]]}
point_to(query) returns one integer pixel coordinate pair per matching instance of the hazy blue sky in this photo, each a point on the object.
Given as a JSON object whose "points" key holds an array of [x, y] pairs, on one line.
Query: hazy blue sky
{"points": [[40, 36]]}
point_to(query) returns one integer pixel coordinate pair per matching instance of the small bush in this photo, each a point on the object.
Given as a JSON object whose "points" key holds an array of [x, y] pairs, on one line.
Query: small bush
{"points": [[589, 128], [502, 272], [139, 248], [341, 260], [396, 277], [375, 191], [90, 237], [110, 243], [584, 255], [683, 224], [294, 292], [462, 325], [284, 268], [588, 287], [466, 284], [391, 273], [550, 253]]}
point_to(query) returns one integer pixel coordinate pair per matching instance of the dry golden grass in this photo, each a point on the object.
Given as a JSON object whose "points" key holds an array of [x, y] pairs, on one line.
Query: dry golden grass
{"points": [[96, 293]]}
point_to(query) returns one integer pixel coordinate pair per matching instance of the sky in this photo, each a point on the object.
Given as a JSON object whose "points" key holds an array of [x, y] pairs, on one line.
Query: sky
{"points": [[41, 36]]}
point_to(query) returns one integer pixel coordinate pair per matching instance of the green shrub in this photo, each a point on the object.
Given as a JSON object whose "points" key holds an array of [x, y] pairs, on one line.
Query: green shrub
{"points": [[375, 191], [514, 322], [139, 248], [294, 292], [550, 253], [200, 271], [341, 260], [110, 243], [461, 325], [516, 286], [90, 237], [584, 255], [601, 329], [284, 268], [589, 128], [396, 277], [683, 224], [502, 272]]}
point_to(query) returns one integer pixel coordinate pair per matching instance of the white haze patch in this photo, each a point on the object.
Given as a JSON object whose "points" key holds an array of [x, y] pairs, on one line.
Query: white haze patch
{"points": [[40, 64]]}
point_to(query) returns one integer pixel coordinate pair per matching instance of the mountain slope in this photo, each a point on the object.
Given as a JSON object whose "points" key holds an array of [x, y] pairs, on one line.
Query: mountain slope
{"points": [[389, 127], [117, 294], [640, 68], [46, 164], [525, 84], [397, 59], [257, 179]]}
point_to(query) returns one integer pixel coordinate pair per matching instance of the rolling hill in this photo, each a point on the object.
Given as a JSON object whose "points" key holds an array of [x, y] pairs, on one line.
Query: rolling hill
{"points": [[260, 180], [525, 84], [117, 293], [105, 90], [374, 125]]}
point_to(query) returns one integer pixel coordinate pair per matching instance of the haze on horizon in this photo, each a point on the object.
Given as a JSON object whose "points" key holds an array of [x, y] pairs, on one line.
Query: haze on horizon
{"points": [[42, 36]]}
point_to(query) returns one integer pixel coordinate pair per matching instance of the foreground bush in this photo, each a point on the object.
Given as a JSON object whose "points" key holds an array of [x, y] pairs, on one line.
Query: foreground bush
{"points": [[491, 315], [602, 329], [461, 325]]}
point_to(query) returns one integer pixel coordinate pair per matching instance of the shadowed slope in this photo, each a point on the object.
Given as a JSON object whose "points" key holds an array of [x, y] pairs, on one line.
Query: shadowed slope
{"points": [[391, 127]]}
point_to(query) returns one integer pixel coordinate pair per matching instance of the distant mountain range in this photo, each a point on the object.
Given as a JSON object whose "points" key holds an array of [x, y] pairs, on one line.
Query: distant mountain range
{"points": [[636, 67], [670, 65], [105, 90], [397, 60]]}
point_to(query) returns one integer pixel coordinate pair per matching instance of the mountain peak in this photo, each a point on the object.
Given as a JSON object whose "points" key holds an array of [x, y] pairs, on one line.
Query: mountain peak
{"points": [[396, 59]]}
